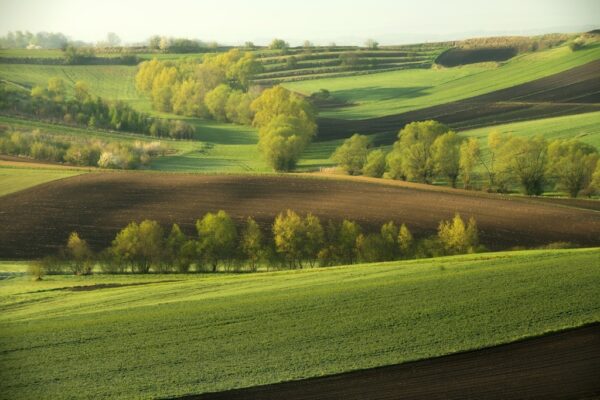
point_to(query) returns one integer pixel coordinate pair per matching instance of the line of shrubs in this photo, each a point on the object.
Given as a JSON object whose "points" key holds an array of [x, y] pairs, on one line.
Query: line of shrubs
{"points": [[50, 103], [81, 152], [428, 150], [295, 242]]}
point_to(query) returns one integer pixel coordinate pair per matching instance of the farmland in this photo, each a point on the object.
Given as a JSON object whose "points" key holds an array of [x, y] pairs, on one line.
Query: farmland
{"points": [[570, 92], [14, 179], [210, 333], [98, 205], [402, 91]]}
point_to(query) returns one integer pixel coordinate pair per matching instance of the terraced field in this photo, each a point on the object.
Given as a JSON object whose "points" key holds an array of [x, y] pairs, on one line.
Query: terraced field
{"points": [[402, 91], [157, 336], [98, 205], [574, 91]]}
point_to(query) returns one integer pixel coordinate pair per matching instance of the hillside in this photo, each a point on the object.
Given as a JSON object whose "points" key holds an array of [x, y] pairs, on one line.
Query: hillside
{"points": [[72, 336], [97, 205], [402, 91]]}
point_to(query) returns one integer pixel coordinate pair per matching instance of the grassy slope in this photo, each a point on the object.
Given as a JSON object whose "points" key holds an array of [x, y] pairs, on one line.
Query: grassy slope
{"points": [[206, 333], [13, 179], [584, 127], [401, 91]]}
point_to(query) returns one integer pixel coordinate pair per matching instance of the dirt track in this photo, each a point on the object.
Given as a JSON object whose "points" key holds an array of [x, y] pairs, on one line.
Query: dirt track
{"points": [[570, 92], [564, 365], [38, 220]]}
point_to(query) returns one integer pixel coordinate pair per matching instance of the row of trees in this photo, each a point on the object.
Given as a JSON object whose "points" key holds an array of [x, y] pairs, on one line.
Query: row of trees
{"points": [[216, 87], [94, 153], [296, 242], [50, 102], [219, 88], [429, 150], [22, 40]]}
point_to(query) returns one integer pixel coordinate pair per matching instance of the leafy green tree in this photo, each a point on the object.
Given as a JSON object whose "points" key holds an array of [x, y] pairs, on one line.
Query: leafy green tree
{"points": [[594, 186], [56, 88], [371, 44], [252, 243], [289, 236], [82, 91], [572, 164], [347, 235], [174, 249], [36, 270], [79, 254], [405, 241], [469, 156], [217, 238], [371, 248], [287, 124], [389, 235], [458, 238], [282, 141], [216, 101], [314, 238], [279, 44], [411, 156], [140, 246], [375, 164], [162, 88], [526, 159], [445, 152], [352, 154]]}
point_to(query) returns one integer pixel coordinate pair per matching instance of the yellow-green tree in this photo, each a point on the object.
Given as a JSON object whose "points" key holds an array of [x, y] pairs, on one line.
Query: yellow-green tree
{"points": [[351, 156], [571, 163], [375, 164], [252, 243], [469, 156], [217, 238], [457, 237], [289, 237], [445, 152], [79, 254], [405, 241]]}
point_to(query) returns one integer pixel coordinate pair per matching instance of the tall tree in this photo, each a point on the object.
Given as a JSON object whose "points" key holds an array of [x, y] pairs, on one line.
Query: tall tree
{"points": [[252, 243], [571, 163], [217, 238], [446, 156], [469, 155], [289, 236], [352, 154]]}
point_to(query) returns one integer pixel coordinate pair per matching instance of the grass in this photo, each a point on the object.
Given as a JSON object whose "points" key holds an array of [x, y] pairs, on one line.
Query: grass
{"points": [[400, 91], [14, 179], [190, 334], [116, 82], [583, 127]]}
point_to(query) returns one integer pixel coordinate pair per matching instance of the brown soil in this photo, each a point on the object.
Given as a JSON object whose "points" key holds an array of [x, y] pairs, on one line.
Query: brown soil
{"points": [[36, 221], [570, 92], [564, 365]]}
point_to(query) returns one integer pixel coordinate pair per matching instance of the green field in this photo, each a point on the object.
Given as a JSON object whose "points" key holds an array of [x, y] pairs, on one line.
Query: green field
{"points": [[583, 127], [178, 334], [400, 91], [13, 179]]}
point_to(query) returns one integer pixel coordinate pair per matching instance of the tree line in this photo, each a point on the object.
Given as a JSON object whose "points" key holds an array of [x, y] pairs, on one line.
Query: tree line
{"points": [[81, 152], [50, 102], [428, 150], [295, 242]]}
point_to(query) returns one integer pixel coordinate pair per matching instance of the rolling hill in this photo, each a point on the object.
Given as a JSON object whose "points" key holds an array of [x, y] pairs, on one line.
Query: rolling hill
{"points": [[155, 336]]}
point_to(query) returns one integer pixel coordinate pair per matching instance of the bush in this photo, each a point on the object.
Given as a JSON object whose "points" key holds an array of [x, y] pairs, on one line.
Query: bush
{"points": [[36, 270]]}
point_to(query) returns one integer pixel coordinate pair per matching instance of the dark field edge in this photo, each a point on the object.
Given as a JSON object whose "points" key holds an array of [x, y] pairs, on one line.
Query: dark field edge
{"points": [[558, 364]]}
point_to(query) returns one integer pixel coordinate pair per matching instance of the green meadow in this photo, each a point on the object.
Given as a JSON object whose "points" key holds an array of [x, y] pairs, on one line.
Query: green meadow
{"points": [[14, 179], [167, 335]]}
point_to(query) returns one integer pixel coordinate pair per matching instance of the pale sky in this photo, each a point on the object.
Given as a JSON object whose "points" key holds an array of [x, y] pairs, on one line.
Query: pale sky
{"points": [[321, 21]]}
